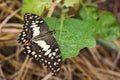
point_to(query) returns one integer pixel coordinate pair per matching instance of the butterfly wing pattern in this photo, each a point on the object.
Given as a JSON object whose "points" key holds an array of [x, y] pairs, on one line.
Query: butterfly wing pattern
{"points": [[39, 42]]}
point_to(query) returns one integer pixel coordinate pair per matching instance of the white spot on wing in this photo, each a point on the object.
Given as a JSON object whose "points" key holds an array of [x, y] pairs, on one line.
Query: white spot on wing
{"points": [[58, 69], [31, 17], [42, 59], [54, 53], [28, 51], [27, 21], [41, 21], [28, 47], [43, 45], [26, 24], [22, 38], [59, 60], [24, 34], [48, 51], [39, 55], [33, 53], [58, 56], [33, 21], [45, 61], [48, 62], [26, 29], [34, 25], [56, 49], [36, 31], [55, 63], [50, 55], [46, 47], [52, 68], [36, 16], [35, 56], [36, 21]]}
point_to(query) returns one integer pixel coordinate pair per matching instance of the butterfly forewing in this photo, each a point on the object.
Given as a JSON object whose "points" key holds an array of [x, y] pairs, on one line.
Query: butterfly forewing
{"points": [[33, 26], [42, 45]]}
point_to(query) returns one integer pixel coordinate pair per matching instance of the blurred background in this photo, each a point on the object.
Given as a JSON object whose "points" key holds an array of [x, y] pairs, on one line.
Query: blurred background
{"points": [[99, 63]]}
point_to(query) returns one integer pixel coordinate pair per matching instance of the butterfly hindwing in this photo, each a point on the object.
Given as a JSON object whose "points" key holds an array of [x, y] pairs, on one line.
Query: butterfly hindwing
{"points": [[45, 51], [51, 53]]}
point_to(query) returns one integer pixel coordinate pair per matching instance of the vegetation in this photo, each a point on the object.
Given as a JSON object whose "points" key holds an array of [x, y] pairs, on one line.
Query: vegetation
{"points": [[88, 37]]}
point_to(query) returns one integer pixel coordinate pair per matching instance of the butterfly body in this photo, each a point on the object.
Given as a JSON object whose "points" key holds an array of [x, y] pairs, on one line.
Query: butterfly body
{"points": [[39, 42]]}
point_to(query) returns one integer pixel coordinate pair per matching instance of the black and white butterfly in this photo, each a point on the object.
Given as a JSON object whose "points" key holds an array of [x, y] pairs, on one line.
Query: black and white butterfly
{"points": [[39, 42]]}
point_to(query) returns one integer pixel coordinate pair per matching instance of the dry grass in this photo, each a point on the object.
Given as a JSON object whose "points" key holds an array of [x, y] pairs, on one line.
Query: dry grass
{"points": [[92, 64]]}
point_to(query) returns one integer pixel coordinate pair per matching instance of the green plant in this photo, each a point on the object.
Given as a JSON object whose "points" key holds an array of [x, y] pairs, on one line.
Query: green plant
{"points": [[74, 34]]}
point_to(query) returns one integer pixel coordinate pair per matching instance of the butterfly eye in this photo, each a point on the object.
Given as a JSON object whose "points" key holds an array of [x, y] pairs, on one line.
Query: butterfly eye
{"points": [[39, 42]]}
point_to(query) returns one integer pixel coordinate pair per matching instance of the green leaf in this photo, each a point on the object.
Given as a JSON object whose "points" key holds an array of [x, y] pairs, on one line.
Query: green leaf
{"points": [[72, 35], [89, 13], [109, 19], [108, 27], [106, 23], [35, 6], [70, 3]]}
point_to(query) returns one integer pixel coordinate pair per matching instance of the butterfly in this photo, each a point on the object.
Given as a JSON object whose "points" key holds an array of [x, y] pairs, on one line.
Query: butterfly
{"points": [[39, 43]]}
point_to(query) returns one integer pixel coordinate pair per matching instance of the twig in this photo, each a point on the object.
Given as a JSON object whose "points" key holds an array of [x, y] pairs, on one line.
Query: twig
{"points": [[15, 25], [10, 11], [69, 71], [54, 4], [6, 20], [80, 67], [8, 58], [92, 51], [110, 72], [65, 74], [11, 61], [116, 59], [92, 70], [7, 37], [116, 5], [11, 30], [47, 76], [22, 69], [26, 70], [18, 50], [2, 77]]}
